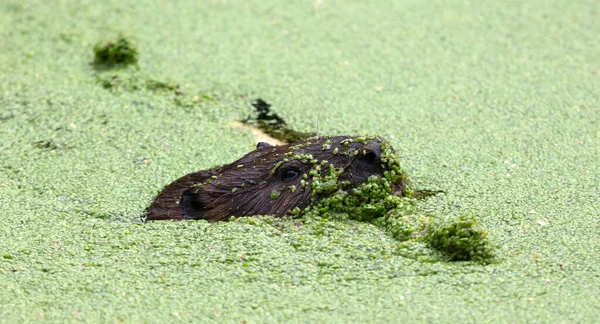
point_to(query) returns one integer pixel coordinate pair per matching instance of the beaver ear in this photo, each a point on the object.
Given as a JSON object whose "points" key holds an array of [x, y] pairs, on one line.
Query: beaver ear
{"points": [[191, 205], [262, 144]]}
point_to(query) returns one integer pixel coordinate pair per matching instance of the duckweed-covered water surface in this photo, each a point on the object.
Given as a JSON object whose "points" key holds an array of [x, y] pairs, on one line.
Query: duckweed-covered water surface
{"points": [[494, 104]]}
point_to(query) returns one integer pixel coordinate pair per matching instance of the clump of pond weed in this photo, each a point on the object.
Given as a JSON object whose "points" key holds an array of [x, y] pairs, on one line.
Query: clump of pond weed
{"points": [[112, 54], [461, 238]]}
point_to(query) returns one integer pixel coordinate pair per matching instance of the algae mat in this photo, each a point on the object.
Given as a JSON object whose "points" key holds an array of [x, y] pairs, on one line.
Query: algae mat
{"points": [[495, 103]]}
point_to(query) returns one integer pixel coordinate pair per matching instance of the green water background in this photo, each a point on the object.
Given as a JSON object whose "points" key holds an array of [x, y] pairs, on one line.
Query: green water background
{"points": [[494, 102]]}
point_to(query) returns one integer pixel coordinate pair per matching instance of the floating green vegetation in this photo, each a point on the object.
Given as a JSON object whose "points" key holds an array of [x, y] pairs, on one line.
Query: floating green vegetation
{"points": [[119, 53], [461, 238], [131, 81], [134, 81], [273, 125], [48, 144], [120, 82], [160, 85]]}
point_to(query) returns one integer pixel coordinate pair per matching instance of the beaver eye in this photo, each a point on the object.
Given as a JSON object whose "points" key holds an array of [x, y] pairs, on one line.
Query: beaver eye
{"points": [[290, 174]]}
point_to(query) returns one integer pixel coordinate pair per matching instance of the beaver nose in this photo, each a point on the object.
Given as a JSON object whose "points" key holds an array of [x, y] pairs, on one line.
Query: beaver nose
{"points": [[374, 150]]}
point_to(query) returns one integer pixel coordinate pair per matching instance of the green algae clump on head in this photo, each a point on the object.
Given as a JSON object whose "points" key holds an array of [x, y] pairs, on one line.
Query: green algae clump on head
{"points": [[362, 201]]}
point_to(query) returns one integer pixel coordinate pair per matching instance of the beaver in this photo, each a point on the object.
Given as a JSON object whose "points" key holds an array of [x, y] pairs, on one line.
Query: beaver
{"points": [[276, 180]]}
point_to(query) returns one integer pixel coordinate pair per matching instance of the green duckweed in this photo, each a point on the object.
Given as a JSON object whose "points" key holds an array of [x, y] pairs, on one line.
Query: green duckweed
{"points": [[121, 52]]}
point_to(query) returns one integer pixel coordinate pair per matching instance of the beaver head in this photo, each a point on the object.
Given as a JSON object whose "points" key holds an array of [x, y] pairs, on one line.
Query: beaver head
{"points": [[279, 180]]}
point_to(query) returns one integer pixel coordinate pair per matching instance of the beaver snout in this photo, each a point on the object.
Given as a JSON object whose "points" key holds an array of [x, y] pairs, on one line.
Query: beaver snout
{"points": [[374, 151], [368, 162]]}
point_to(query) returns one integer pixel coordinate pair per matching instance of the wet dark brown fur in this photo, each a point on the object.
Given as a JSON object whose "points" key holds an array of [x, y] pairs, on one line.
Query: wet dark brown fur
{"points": [[245, 187]]}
